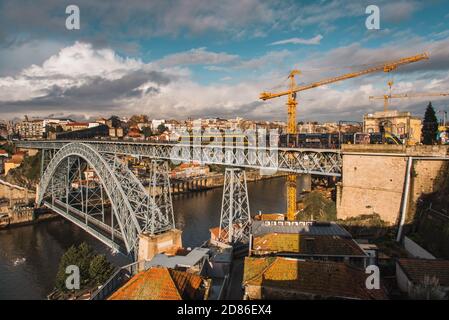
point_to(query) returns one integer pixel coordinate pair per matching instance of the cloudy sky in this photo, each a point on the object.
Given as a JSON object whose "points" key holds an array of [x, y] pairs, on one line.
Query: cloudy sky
{"points": [[203, 58]]}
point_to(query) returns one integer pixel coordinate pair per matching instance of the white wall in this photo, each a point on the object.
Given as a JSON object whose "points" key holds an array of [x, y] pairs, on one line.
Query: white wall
{"points": [[416, 250]]}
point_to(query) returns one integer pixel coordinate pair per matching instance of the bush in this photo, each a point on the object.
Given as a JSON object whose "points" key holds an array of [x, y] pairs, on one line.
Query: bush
{"points": [[94, 269], [316, 205], [100, 270]]}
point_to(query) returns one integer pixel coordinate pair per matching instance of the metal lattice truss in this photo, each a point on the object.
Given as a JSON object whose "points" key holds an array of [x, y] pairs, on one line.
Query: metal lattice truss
{"points": [[314, 161], [160, 193], [64, 189], [235, 214]]}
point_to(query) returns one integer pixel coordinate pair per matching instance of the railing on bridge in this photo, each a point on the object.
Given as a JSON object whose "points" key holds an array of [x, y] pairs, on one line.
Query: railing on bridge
{"points": [[325, 162], [118, 279]]}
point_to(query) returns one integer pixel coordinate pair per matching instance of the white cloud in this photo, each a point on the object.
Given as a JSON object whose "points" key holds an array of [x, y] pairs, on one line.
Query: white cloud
{"points": [[196, 56], [268, 60], [312, 41], [81, 71], [82, 60], [398, 11]]}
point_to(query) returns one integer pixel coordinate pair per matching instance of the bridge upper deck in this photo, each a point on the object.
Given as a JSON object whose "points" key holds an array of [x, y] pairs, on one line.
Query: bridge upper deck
{"points": [[325, 162]]}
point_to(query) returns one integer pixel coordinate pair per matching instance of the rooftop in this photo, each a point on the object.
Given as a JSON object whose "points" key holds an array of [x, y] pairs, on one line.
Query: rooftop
{"points": [[417, 269], [325, 279], [307, 244], [388, 114], [163, 284], [259, 228], [190, 259], [270, 216]]}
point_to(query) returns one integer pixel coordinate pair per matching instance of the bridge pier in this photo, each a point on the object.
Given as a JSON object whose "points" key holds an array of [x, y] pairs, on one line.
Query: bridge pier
{"points": [[151, 245], [235, 213]]}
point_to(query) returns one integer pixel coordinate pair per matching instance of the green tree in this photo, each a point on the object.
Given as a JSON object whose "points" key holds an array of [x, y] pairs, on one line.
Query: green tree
{"points": [[147, 132], [8, 147], [100, 270], [85, 254], [81, 257], [318, 207], [50, 128], [161, 128], [430, 126], [70, 257]]}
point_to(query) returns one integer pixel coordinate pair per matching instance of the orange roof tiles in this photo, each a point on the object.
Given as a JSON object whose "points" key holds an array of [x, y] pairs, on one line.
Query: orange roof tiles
{"points": [[319, 278], [417, 269], [270, 217], [162, 284], [306, 244]]}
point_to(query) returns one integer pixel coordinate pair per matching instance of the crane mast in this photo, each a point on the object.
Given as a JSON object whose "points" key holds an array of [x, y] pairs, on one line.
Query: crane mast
{"points": [[292, 103]]}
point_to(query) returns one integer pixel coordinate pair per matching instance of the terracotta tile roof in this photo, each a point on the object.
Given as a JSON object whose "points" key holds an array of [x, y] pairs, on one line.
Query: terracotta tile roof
{"points": [[417, 269], [270, 217], [162, 284], [306, 244], [298, 227], [215, 232], [325, 279]]}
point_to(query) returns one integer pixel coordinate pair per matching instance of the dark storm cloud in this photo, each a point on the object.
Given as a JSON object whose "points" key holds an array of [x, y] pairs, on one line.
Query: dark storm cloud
{"points": [[103, 89], [107, 22], [96, 94]]}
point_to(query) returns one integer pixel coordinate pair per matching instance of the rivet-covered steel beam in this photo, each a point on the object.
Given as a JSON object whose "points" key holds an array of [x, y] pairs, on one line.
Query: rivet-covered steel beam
{"points": [[326, 162]]}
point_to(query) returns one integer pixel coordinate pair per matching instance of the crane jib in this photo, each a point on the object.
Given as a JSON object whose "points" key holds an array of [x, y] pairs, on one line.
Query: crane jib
{"points": [[385, 67]]}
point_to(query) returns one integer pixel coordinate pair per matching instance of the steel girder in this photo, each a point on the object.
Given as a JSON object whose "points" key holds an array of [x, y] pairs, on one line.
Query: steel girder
{"points": [[160, 192], [131, 205], [235, 213], [313, 161]]}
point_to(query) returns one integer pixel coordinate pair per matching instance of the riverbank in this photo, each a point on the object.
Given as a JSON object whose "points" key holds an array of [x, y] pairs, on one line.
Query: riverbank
{"points": [[26, 219], [213, 181]]}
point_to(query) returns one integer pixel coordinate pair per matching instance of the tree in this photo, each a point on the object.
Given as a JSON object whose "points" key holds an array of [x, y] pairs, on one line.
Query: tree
{"points": [[162, 128], [135, 119], [85, 255], [50, 128], [100, 270], [81, 257], [70, 257], [316, 205], [430, 126], [147, 132]]}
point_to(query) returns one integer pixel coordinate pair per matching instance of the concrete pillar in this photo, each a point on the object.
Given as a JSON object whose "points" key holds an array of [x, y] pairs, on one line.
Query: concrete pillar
{"points": [[151, 245]]}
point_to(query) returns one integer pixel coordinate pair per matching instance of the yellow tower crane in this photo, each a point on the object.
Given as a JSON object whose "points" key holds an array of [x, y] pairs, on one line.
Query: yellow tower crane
{"points": [[388, 97], [292, 103]]}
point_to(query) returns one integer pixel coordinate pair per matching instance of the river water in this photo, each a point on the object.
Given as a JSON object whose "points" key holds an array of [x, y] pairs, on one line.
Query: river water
{"points": [[29, 255]]}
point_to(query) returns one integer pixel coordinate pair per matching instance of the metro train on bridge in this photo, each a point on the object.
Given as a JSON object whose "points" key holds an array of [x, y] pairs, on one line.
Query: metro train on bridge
{"points": [[299, 140], [335, 140]]}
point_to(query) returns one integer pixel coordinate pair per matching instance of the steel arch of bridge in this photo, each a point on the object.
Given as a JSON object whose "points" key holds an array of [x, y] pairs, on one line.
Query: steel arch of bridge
{"points": [[133, 208]]}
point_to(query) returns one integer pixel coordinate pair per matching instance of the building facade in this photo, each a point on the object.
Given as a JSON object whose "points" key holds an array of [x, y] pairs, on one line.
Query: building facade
{"points": [[401, 124], [30, 129]]}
